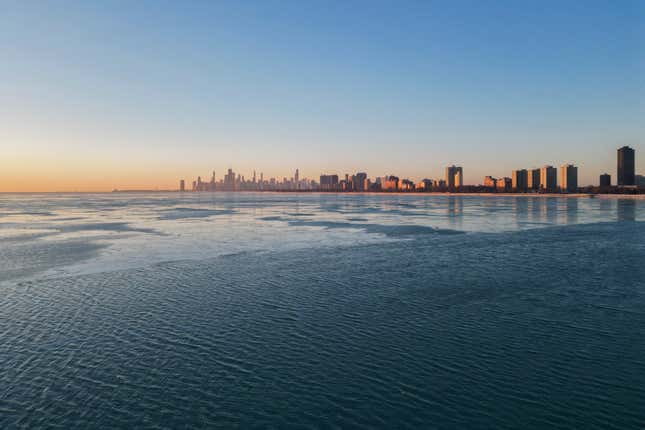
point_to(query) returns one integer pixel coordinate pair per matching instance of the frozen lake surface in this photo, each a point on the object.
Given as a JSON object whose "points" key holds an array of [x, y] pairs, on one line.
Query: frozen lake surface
{"points": [[321, 311]]}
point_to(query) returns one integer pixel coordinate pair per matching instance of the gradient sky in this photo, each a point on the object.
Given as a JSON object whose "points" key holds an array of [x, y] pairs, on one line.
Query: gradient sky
{"points": [[123, 94]]}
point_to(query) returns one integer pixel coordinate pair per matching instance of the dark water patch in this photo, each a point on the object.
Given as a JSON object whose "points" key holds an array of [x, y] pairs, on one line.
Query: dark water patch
{"points": [[408, 230], [272, 218], [380, 211], [181, 213], [364, 209], [406, 205], [299, 214], [55, 229], [388, 230], [406, 213], [25, 237], [37, 213], [22, 259], [28, 213], [105, 226]]}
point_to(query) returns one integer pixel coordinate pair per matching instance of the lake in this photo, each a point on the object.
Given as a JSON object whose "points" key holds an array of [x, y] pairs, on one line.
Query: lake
{"points": [[286, 310]]}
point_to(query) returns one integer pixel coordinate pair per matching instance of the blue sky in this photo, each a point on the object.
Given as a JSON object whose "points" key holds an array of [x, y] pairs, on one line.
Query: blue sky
{"points": [[97, 95]]}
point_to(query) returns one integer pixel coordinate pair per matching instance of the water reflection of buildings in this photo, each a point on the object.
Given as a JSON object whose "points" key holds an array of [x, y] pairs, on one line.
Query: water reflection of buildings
{"points": [[455, 210], [626, 210], [534, 210], [521, 210], [557, 210], [571, 210], [606, 206], [549, 209]]}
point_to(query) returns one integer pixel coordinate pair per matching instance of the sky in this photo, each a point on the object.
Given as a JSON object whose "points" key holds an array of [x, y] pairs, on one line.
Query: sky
{"points": [[129, 95]]}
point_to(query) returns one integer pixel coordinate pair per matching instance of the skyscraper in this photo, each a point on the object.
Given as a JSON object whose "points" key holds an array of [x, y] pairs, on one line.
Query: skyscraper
{"points": [[605, 180], [569, 178], [182, 185], [229, 180], [359, 181], [391, 183], [520, 180], [459, 178], [626, 166], [548, 178], [490, 182], [533, 179], [454, 177], [504, 184], [329, 182]]}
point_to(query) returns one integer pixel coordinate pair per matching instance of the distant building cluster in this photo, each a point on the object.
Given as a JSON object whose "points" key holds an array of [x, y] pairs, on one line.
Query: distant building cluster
{"points": [[237, 182], [546, 179], [360, 182], [626, 171], [543, 179]]}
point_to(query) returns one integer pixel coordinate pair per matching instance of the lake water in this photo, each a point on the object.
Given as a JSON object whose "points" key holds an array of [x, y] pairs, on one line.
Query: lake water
{"points": [[321, 311]]}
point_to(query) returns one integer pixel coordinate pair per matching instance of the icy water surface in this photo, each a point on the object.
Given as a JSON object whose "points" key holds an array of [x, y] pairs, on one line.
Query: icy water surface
{"points": [[321, 311]]}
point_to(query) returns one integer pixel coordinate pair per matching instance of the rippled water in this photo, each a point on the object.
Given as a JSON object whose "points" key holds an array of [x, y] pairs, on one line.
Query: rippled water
{"points": [[321, 311]]}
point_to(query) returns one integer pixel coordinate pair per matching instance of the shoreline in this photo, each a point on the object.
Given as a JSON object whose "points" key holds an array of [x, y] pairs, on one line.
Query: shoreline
{"points": [[395, 193]]}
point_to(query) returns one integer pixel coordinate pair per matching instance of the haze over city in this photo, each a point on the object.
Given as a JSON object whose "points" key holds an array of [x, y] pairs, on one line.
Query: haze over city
{"points": [[97, 96]]}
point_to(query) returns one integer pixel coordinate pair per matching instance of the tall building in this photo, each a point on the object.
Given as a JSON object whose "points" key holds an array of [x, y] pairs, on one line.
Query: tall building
{"points": [[626, 166], [329, 182], [459, 178], [229, 180], [359, 181], [548, 178], [490, 182], [407, 185], [605, 180], [533, 179], [569, 178], [520, 180], [182, 185], [424, 185], [454, 177], [391, 184], [504, 184]]}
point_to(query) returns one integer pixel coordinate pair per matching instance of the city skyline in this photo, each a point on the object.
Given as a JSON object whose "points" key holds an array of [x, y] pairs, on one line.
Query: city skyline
{"points": [[101, 96], [549, 179], [546, 177]]}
